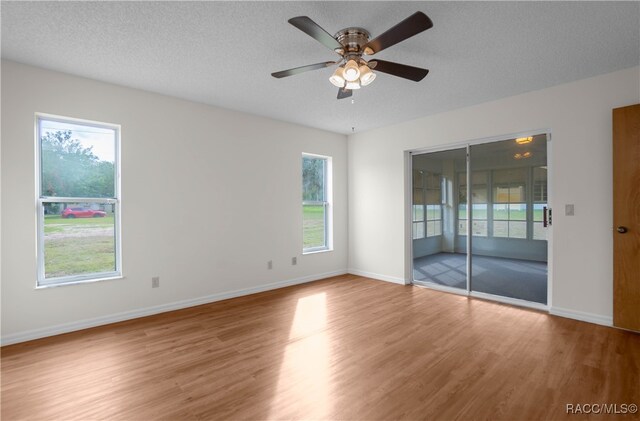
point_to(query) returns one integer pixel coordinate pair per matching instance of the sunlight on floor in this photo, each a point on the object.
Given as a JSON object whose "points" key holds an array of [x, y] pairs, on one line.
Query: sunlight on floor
{"points": [[310, 317], [305, 371]]}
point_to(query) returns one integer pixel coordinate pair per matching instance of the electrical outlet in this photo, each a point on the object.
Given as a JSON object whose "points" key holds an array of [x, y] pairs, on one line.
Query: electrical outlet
{"points": [[155, 282], [270, 264], [294, 261]]}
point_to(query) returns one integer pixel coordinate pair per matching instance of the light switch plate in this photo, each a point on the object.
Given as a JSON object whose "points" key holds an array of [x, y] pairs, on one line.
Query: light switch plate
{"points": [[568, 210]]}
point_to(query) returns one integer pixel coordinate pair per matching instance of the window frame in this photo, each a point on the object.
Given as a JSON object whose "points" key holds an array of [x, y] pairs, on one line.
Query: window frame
{"points": [[428, 177], [41, 200], [529, 186], [425, 188], [525, 195], [415, 222], [462, 178], [326, 203]]}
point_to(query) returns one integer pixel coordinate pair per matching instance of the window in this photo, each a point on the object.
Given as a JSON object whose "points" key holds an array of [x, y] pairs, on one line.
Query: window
{"points": [[478, 203], [316, 203], [427, 204], [512, 207], [78, 200], [433, 204], [539, 202], [418, 205], [510, 203], [462, 203]]}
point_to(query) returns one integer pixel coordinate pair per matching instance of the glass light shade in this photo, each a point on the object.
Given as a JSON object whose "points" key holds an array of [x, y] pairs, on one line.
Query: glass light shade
{"points": [[353, 85], [351, 71], [337, 78], [366, 75]]}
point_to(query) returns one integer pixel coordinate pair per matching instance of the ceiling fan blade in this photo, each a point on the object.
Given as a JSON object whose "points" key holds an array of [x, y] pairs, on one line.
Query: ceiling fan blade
{"points": [[302, 69], [309, 27], [344, 93], [409, 27], [401, 70]]}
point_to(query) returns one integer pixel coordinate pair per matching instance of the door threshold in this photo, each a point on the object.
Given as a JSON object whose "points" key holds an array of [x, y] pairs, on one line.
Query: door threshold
{"points": [[442, 288], [484, 296], [508, 300]]}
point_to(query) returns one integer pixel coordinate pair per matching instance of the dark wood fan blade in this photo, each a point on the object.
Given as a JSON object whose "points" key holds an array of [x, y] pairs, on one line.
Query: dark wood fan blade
{"points": [[344, 93], [401, 70], [302, 69], [315, 31], [409, 27]]}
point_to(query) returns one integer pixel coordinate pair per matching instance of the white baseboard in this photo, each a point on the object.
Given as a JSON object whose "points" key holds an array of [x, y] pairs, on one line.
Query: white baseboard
{"points": [[177, 305], [162, 308], [377, 276], [582, 316]]}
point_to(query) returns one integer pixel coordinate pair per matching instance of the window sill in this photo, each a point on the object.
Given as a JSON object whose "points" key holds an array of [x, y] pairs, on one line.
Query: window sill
{"points": [[83, 281], [304, 253]]}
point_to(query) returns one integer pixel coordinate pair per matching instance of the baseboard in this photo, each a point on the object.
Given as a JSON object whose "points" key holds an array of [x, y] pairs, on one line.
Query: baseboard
{"points": [[377, 276], [162, 308], [582, 316]]}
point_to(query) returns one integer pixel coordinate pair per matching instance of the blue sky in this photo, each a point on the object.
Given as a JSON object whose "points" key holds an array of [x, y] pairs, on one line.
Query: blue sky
{"points": [[102, 139]]}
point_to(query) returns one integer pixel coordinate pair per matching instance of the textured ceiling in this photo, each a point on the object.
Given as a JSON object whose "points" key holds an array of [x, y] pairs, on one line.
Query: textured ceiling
{"points": [[222, 53]]}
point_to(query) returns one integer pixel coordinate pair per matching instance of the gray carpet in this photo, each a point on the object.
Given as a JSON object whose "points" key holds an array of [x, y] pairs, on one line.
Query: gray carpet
{"points": [[522, 279]]}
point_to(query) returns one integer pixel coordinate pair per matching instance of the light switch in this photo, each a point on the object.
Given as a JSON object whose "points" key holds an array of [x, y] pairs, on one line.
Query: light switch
{"points": [[568, 210]]}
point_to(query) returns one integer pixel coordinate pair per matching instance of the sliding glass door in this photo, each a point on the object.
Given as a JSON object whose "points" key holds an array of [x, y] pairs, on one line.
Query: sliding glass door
{"points": [[494, 204], [439, 258], [509, 253]]}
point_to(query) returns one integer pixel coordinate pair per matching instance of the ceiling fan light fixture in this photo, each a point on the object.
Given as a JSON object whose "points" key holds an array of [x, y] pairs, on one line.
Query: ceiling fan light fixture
{"points": [[353, 85], [366, 75], [351, 71], [523, 155], [524, 140], [351, 44], [337, 79]]}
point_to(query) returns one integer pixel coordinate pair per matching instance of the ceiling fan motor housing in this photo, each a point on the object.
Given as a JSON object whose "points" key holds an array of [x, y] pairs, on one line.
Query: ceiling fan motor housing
{"points": [[353, 39]]}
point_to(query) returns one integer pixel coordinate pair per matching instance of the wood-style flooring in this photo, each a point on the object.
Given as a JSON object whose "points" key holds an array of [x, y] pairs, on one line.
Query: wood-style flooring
{"points": [[345, 348]]}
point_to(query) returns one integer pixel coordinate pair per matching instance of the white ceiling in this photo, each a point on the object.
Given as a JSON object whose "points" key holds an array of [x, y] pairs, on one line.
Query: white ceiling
{"points": [[222, 53]]}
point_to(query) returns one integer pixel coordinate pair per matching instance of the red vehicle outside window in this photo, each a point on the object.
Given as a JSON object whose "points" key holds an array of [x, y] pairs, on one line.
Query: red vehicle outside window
{"points": [[82, 213]]}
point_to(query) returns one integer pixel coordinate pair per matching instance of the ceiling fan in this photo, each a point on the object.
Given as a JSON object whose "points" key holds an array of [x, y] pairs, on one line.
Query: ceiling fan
{"points": [[352, 44]]}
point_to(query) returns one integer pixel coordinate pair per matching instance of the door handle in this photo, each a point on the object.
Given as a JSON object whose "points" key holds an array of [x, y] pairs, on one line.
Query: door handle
{"points": [[546, 216], [622, 229]]}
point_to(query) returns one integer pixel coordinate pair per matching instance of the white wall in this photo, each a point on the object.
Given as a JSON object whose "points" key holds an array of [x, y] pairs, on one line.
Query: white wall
{"points": [[230, 181], [243, 172], [579, 116]]}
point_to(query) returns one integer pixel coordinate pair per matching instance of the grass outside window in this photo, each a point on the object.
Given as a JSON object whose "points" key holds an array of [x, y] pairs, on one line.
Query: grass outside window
{"points": [[313, 226], [74, 246]]}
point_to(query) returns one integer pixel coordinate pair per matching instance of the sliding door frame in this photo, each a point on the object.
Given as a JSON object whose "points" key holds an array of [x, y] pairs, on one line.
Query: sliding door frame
{"points": [[466, 144]]}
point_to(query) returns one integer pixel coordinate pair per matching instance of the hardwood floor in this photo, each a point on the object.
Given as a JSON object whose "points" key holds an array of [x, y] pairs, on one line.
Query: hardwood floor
{"points": [[343, 348]]}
